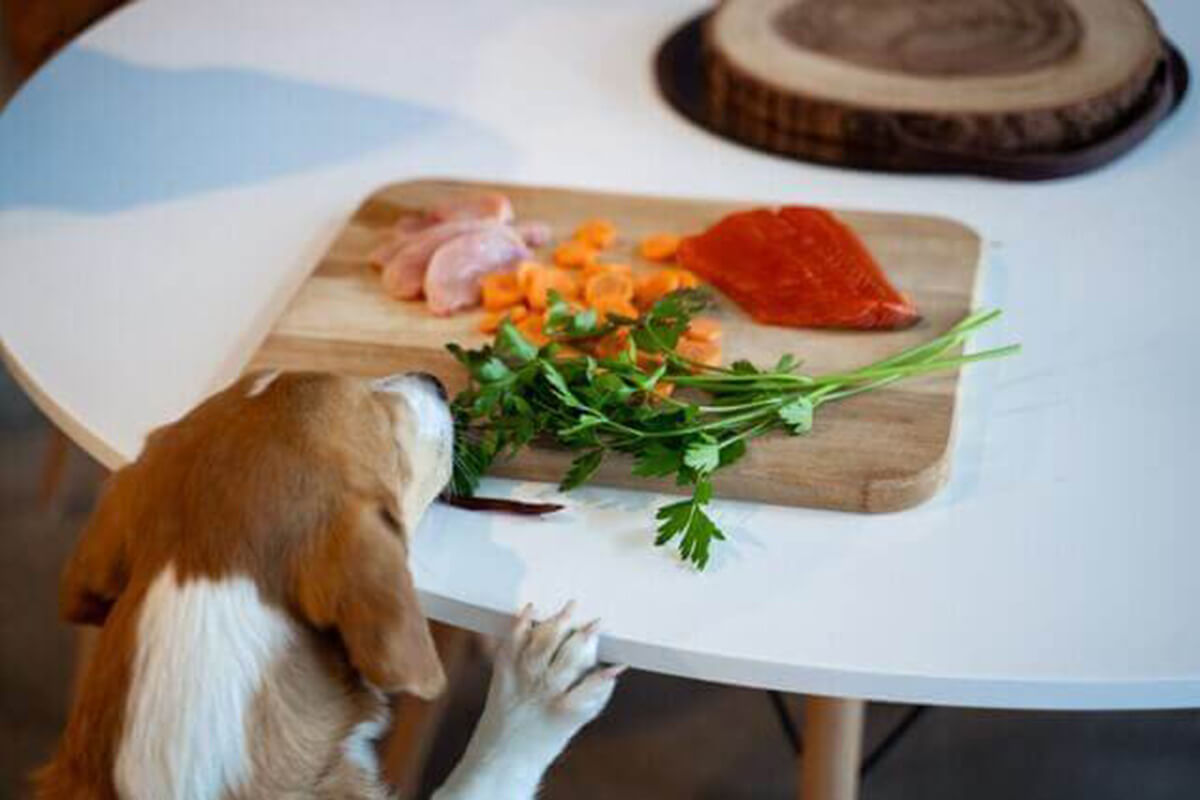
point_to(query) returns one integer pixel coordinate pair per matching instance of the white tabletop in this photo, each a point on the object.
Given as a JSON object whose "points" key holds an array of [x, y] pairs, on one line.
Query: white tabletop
{"points": [[168, 180]]}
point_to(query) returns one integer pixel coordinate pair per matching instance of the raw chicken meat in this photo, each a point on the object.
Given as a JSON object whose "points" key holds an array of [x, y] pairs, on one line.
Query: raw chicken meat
{"points": [[535, 234], [400, 234], [491, 206], [405, 256], [404, 269], [452, 280]]}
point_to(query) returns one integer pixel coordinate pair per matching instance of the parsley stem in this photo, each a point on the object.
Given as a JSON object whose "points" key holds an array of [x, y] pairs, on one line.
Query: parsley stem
{"points": [[749, 433], [769, 401], [727, 422], [860, 389], [918, 368], [708, 380]]}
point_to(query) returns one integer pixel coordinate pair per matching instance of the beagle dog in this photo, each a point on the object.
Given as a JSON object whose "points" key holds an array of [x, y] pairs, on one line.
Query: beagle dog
{"points": [[249, 572]]}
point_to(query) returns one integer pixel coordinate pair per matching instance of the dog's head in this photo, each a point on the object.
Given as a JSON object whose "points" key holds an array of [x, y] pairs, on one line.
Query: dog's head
{"points": [[310, 484]]}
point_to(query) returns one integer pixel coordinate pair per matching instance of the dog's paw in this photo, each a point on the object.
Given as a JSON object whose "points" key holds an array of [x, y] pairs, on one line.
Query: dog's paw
{"points": [[546, 675], [546, 685]]}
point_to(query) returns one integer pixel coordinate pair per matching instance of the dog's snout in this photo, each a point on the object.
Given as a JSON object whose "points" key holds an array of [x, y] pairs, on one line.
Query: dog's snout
{"points": [[433, 381]]}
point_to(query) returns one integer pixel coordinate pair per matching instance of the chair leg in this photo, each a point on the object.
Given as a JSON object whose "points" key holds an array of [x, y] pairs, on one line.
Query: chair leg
{"points": [[415, 722], [833, 734]]}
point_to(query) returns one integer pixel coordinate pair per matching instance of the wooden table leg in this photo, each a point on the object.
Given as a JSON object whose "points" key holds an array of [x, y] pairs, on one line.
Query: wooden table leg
{"points": [[415, 722], [833, 732]]}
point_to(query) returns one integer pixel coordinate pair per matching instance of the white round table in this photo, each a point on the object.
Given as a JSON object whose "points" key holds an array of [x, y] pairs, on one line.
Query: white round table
{"points": [[167, 181]]}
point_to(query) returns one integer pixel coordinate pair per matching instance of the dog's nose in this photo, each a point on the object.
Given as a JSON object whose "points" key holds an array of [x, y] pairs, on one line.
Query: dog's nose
{"points": [[433, 381]]}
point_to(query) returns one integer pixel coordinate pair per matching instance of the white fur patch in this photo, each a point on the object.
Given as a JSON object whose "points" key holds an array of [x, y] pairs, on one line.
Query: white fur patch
{"points": [[426, 433], [261, 382], [203, 649], [359, 746]]}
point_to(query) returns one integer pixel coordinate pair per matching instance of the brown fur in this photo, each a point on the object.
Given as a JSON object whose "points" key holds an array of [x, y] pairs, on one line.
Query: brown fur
{"points": [[295, 488]]}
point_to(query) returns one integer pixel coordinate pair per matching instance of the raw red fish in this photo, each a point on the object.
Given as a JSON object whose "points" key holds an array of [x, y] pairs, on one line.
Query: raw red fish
{"points": [[798, 266]]}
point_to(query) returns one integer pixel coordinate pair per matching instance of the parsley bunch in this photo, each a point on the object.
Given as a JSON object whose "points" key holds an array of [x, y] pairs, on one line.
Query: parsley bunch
{"points": [[597, 406]]}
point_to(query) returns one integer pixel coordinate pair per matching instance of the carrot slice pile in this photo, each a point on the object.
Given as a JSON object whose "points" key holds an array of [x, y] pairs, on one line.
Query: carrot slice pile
{"points": [[704, 329], [543, 281], [653, 287], [491, 320], [607, 287], [659, 247], [574, 254], [696, 350], [597, 233], [500, 290], [797, 266]]}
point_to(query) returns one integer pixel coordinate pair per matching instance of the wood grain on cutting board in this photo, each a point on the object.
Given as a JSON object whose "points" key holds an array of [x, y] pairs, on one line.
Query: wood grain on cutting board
{"points": [[882, 451]]}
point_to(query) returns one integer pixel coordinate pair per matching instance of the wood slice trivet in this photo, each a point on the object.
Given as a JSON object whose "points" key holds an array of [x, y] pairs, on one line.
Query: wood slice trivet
{"points": [[969, 75], [1015, 88]]}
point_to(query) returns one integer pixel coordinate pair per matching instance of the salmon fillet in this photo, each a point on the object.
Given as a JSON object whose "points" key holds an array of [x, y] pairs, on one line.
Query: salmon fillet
{"points": [[799, 267]]}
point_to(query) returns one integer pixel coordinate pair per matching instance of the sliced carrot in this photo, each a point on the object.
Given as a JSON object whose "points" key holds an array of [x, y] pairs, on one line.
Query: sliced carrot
{"points": [[687, 280], [574, 254], [664, 388], [659, 247], [609, 286], [525, 272], [500, 290], [653, 287], [543, 281], [598, 233], [606, 305], [612, 344], [704, 329], [649, 361], [567, 351], [704, 352], [531, 329], [597, 267], [491, 320]]}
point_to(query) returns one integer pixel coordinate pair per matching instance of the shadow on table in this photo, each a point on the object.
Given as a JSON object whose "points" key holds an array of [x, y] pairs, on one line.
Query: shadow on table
{"points": [[94, 133]]}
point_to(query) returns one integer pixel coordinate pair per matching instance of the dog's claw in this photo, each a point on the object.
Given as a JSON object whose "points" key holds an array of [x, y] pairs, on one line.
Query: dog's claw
{"points": [[591, 694], [551, 665]]}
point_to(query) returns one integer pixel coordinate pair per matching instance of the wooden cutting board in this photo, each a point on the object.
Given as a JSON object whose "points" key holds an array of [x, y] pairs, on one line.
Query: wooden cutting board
{"points": [[881, 451]]}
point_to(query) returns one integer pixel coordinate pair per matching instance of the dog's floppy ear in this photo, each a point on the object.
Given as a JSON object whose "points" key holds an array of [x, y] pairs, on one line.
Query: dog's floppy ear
{"points": [[98, 570], [355, 578]]}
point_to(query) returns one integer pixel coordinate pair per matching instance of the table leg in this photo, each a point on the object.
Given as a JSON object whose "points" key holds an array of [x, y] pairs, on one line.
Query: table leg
{"points": [[833, 732], [415, 722]]}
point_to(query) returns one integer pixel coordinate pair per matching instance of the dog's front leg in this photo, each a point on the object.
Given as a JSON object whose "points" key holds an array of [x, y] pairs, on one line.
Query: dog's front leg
{"points": [[545, 687]]}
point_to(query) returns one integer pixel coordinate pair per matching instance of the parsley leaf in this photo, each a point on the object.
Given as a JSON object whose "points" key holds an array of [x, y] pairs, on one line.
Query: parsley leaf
{"points": [[656, 460], [798, 415], [581, 469], [687, 520], [703, 455], [511, 344]]}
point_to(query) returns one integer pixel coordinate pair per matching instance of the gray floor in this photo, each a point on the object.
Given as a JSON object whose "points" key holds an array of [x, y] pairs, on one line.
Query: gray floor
{"points": [[661, 737]]}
